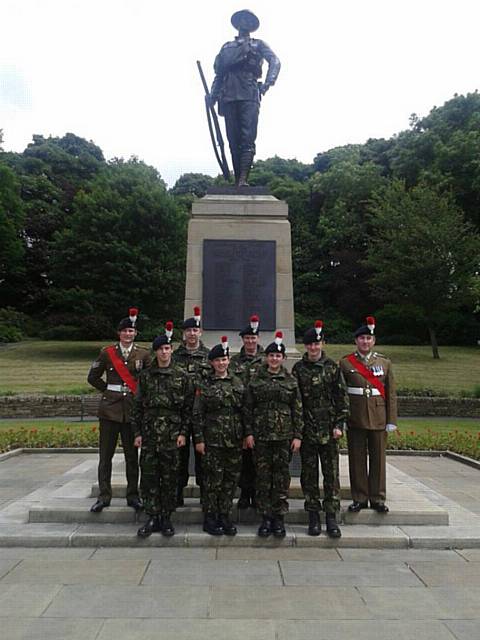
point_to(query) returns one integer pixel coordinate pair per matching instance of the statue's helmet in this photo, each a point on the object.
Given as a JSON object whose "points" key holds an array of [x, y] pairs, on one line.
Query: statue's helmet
{"points": [[245, 19]]}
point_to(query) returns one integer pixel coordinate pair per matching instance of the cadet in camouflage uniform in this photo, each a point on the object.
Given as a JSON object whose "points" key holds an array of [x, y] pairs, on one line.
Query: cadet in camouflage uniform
{"points": [[244, 365], [274, 427], [160, 416], [325, 409], [218, 434], [192, 355], [115, 408]]}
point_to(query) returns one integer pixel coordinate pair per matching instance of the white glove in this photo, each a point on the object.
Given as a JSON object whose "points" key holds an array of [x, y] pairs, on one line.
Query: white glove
{"points": [[390, 427]]}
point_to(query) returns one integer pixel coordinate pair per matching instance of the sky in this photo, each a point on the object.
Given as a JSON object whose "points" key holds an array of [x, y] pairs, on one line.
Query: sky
{"points": [[123, 74]]}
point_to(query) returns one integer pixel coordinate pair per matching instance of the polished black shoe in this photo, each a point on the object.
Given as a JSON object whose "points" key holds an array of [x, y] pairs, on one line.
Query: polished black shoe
{"points": [[180, 500], [379, 507], [244, 500], [152, 525], [333, 530], [99, 506], [356, 506], [278, 527], [135, 503], [211, 526], [314, 526], [265, 529], [229, 529], [166, 526]]}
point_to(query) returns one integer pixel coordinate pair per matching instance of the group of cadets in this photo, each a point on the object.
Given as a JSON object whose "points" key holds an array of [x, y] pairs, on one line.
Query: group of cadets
{"points": [[245, 416]]}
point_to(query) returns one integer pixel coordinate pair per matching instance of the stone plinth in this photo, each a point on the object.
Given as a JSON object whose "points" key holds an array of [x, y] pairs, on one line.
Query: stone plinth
{"points": [[242, 217]]}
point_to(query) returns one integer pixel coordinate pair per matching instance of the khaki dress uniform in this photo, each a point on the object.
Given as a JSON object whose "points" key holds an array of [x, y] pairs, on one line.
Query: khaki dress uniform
{"points": [[114, 416], [366, 435]]}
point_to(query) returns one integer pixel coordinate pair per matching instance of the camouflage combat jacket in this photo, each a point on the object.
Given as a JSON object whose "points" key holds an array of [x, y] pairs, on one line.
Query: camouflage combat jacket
{"points": [[324, 397], [273, 406], [217, 411], [245, 366], [161, 406]]}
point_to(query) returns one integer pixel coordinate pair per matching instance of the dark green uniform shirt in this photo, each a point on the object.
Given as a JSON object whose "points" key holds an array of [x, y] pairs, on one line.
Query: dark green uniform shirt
{"points": [[324, 397], [161, 406], [273, 406], [217, 411], [244, 366]]}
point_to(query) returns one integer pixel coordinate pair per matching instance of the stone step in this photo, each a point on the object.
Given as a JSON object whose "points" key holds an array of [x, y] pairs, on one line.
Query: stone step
{"points": [[77, 511], [119, 490]]}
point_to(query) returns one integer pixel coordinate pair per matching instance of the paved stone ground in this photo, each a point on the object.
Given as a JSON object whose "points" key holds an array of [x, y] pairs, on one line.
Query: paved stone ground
{"points": [[284, 593]]}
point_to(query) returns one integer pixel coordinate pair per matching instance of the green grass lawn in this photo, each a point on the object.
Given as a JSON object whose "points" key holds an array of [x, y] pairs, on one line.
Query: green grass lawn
{"points": [[61, 367]]}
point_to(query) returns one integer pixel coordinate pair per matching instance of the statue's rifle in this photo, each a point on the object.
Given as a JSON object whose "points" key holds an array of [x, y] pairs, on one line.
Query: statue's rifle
{"points": [[214, 128]]}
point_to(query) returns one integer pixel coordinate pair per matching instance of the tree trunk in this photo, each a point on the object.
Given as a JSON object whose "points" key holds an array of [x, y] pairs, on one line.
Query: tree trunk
{"points": [[433, 342]]}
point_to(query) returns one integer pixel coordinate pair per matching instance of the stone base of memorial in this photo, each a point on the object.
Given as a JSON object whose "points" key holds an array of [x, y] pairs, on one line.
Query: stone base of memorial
{"points": [[239, 262]]}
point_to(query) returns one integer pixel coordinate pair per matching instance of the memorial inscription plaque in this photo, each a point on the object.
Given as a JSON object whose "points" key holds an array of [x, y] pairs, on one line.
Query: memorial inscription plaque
{"points": [[239, 278]]}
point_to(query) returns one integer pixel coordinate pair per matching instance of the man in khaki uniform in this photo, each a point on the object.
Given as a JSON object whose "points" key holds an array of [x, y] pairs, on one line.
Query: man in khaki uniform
{"points": [[373, 412], [121, 363]]}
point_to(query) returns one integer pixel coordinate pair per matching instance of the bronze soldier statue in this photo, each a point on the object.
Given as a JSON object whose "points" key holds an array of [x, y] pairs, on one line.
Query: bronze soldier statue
{"points": [[237, 89]]}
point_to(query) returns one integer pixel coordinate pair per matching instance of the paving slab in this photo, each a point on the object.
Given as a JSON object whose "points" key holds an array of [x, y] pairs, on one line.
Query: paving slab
{"points": [[451, 537], [472, 555], [46, 553], [213, 572], [362, 630], [278, 553], [25, 600], [6, 565], [457, 602], [50, 629], [345, 574], [292, 603], [92, 601], [439, 574], [246, 536], [401, 555], [104, 572], [403, 603], [187, 630], [113, 554], [464, 629]]}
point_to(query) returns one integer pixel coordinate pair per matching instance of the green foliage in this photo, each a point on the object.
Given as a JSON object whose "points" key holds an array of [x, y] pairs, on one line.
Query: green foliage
{"points": [[123, 244], [192, 184], [421, 253], [265, 171], [11, 227]]}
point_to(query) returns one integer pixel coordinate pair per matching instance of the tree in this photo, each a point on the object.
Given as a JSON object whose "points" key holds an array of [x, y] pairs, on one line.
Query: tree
{"points": [[422, 253], [192, 184], [123, 244], [11, 240]]}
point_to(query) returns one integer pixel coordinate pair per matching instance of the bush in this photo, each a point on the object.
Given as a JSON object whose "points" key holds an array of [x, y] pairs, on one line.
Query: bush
{"points": [[10, 333], [69, 326], [62, 332], [71, 436]]}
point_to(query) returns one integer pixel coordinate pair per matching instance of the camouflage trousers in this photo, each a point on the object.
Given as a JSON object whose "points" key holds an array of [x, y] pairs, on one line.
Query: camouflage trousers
{"points": [[158, 483], [310, 452], [247, 474], [272, 463], [221, 469]]}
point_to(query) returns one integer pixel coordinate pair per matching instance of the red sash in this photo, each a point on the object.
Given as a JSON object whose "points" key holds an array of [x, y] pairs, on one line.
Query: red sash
{"points": [[121, 369], [367, 374]]}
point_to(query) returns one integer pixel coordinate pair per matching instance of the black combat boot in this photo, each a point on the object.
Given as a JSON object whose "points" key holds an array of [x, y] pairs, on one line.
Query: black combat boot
{"points": [[229, 529], [278, 527], [166, 525], [244, 500], [333, 530], [314, 526], [210, 525], [152, 524], [265, 529]]}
